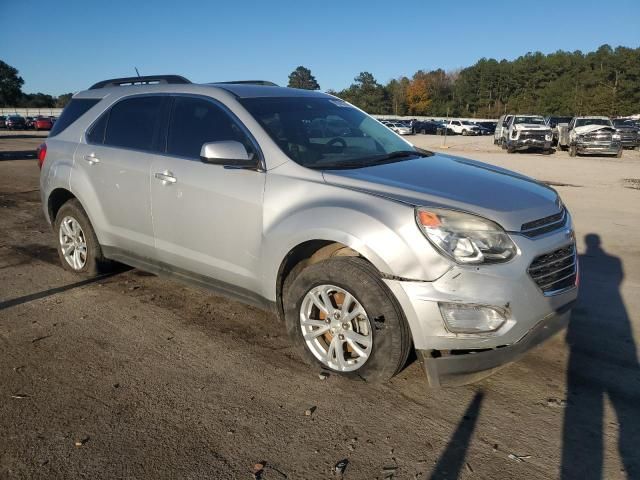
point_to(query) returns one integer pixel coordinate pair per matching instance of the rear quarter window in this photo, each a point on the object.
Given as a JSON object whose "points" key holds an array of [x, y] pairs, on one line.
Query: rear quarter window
{"points": [[76, 108]]}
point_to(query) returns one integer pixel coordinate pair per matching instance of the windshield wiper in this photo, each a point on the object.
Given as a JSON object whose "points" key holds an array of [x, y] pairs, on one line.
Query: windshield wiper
{"points": [[418, 152], [369, 161]]}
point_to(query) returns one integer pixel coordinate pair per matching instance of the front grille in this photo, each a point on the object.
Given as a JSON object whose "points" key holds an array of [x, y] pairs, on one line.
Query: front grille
{"points": [[556, 271], [544, 225], [532, 136], [598, 137]]}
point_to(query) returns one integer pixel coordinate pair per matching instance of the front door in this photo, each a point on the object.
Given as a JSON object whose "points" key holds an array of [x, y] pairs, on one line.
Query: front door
{"points": [[207, 219]]}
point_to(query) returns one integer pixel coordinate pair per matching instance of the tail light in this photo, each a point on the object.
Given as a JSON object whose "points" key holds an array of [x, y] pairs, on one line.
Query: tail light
{"points": [[41, 153]]}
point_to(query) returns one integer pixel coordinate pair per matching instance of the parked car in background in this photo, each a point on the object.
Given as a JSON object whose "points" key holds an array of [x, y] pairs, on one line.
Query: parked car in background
{"points": [[42, 123], [500, 132], [16, 122], [426, 127], [463, 127], [590, 135], [629, 132], [3, 121], [553, 122], [528, 132], [400, 128], [490, 127], [363, 248], [29, 122]]}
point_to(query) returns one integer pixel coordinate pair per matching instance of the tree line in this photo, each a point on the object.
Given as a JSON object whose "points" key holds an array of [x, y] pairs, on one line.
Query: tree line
{"points": [[603, 82], [11, 94]]}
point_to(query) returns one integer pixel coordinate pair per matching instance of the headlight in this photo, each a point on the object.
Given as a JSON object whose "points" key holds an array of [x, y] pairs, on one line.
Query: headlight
{"points": [[616, 136], [580, 137], [464, 237], [548, 137]]}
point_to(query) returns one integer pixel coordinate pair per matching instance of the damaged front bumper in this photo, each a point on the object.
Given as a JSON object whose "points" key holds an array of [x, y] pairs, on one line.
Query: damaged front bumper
{"points": [[461, 367], [533, 310], [529, 143], [596, 148]]}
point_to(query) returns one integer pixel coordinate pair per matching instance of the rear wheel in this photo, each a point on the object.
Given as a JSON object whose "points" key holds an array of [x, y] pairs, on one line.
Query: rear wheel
{"points": [[343, 318], [78, 246]]}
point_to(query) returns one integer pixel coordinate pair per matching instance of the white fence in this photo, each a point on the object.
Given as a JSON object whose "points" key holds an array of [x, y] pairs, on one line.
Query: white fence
{"points": [[30, 112], [421, 118]]}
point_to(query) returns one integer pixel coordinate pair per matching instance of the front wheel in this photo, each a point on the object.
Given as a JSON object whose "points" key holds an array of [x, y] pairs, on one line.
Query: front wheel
{"points": [[343, 318]]}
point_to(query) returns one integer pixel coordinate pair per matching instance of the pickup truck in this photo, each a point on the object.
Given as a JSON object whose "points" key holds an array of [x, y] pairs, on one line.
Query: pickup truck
{"points": [[463, 127], [629, 133], [552, 123], [590, 135], [500, 132], [526, 132]]}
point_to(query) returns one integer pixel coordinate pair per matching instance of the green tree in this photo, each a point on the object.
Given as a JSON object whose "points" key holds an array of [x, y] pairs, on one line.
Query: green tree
{"points": [[10, 85], [63, 99], [366, 93], [37, 100], [301, 78]]}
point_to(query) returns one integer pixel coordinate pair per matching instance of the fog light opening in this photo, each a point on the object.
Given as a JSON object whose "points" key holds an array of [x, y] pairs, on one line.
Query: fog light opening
{"points": [[471, 318]]}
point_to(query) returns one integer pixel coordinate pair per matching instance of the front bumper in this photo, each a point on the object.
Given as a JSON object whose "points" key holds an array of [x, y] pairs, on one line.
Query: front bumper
{"points": [[598, 148], [507, 286], [463, 367], [527, 143]]}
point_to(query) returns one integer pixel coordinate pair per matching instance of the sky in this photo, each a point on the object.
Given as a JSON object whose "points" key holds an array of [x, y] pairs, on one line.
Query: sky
{"points": [[66, 45]]}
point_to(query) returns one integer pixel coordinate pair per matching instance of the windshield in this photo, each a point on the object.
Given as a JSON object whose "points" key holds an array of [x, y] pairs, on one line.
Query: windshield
{"points": [[581, 122], [327, 133], [530, 120]]}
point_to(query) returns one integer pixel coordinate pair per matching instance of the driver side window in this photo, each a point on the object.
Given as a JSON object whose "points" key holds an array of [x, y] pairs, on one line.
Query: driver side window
{"points": [[196, 121]]}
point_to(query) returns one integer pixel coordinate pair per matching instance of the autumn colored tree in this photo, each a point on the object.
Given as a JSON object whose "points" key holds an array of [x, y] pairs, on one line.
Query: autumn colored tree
{"points": [[418, 98]]}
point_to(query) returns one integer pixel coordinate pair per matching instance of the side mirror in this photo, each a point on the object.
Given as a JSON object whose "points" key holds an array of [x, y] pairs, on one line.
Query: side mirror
{"points": [[226, 152]]}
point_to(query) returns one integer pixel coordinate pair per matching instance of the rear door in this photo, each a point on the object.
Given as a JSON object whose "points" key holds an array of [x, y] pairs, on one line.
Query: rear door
{"points": [[207, 219], [114, 164]]}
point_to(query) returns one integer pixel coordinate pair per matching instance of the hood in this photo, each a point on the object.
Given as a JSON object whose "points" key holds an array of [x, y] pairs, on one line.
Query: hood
{"points": [[505, 197], [592, 128], [530, 126]]}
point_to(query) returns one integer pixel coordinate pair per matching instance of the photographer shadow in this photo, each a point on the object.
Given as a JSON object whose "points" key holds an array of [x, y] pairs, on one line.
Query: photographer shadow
{"points": [[603, 365]]}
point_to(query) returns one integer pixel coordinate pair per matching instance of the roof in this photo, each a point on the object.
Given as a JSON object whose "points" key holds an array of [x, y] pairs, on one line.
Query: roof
{"points": [[251, 91]]}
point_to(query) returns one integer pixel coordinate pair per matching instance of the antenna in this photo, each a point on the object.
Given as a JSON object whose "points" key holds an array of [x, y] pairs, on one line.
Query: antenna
{"points": [[137, 72]]}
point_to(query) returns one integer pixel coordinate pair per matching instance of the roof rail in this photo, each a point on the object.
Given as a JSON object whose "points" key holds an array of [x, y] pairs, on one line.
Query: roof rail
{"points": [[249, 82], [146, 80]]}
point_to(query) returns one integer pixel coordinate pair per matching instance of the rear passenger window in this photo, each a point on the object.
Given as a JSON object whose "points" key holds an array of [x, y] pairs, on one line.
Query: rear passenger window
{"points": [[195, 121], [132, 123], [74, 110], [96, 134]]}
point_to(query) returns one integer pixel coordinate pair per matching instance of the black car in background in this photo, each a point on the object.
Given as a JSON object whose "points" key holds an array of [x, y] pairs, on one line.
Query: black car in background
{"points": [[15, 122], [426, 127]]}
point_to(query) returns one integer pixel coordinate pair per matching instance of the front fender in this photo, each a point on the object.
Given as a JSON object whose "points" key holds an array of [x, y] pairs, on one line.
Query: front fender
{"points": [[381, 230]]}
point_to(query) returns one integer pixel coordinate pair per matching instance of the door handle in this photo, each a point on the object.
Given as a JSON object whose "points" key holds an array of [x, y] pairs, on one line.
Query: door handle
{"points": [[92, 159], [166, 177]]}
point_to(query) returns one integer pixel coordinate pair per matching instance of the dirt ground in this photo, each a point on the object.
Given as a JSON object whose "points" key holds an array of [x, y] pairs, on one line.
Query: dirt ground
{"points": [[135, 376]]}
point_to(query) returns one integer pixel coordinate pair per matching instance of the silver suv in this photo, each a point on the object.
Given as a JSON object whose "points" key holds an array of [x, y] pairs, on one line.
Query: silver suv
{"points": [[365, 246]]}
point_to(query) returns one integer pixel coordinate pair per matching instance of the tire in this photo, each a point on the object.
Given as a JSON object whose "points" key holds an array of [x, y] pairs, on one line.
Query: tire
{"points": [[546, 152], [464, 133], [383, 324], [619, 154], [510, 149], [94, 262], [573, 151]]}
